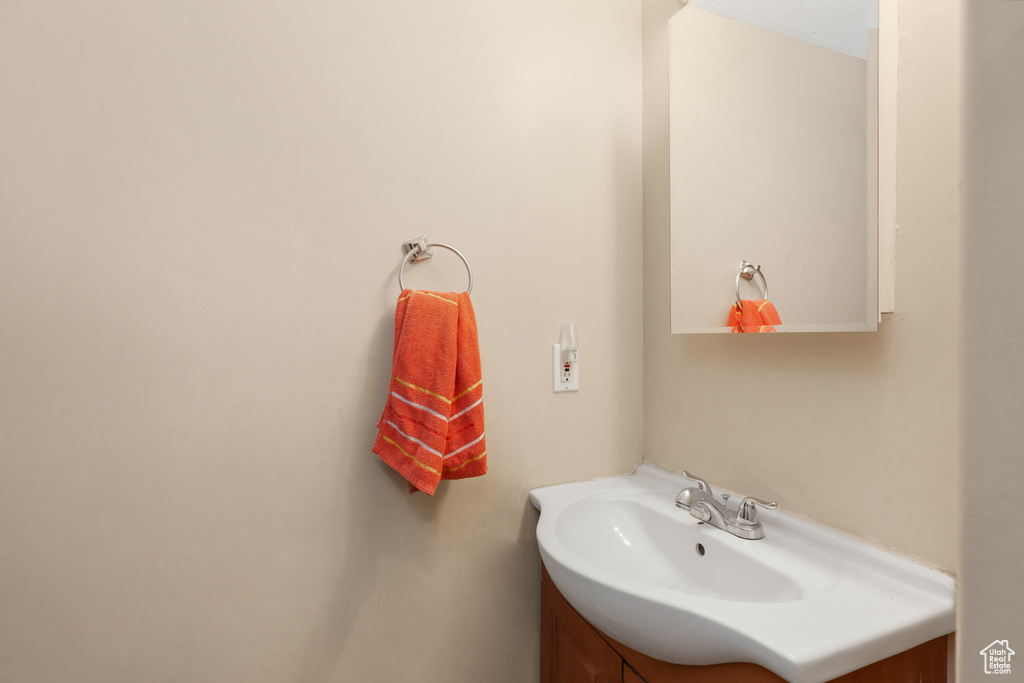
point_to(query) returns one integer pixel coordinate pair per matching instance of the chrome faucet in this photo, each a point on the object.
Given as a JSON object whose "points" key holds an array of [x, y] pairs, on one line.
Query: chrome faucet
{"points": [[701, 504]]}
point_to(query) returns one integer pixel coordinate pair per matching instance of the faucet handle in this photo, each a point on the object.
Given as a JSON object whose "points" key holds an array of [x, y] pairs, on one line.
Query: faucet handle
{"points": [[701, 484], [747, 514]]}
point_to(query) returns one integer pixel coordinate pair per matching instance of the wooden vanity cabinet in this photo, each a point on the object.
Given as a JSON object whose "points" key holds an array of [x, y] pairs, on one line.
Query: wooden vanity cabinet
{"points": [[573, 651]]}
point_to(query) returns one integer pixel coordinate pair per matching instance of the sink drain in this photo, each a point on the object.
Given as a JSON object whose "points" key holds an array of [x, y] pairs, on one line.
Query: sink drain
{"points": [[700, 549]]}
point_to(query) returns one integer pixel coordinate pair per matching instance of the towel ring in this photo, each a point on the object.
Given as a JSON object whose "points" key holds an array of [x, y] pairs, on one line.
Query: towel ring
{"points": [[419, 250], [747, 272]]}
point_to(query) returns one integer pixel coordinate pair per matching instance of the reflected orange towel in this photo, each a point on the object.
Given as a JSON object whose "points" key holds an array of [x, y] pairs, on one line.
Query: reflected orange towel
{"points": [[432, 427], [758, 315]]}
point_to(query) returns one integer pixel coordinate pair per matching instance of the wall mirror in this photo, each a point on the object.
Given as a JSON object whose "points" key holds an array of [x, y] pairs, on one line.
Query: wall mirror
{"points": [[774, 148]]}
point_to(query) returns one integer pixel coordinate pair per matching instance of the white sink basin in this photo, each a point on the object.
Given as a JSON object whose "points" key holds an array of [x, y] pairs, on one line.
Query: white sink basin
{"points": [[806, 602]]}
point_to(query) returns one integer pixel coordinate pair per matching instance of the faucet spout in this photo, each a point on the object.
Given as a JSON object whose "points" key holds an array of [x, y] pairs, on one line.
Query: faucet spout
{"points": [[703, 506]]}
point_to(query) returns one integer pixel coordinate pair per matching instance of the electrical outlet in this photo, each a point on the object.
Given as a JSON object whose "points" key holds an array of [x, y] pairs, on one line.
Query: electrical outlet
{"points": [[566, 375]]}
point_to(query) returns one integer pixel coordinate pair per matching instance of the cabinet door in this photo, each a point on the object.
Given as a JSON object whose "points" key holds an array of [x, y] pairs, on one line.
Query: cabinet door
{"points": [[571, 650]]}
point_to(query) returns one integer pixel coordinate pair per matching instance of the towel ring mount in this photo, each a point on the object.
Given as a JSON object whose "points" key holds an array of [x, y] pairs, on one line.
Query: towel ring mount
{"points": [[747, 271], [419, 249]]}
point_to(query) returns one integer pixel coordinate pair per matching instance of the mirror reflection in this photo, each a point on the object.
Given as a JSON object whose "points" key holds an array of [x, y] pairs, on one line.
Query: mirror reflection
{"points": [[773, 141]]}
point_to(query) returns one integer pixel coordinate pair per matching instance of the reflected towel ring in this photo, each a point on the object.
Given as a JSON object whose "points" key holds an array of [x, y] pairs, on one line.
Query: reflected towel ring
{"points": [[419, 250], [747, 272]]}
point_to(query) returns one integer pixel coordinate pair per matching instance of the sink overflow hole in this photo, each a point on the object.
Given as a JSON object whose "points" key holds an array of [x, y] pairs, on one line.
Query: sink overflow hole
{"points": [[700, 549]]}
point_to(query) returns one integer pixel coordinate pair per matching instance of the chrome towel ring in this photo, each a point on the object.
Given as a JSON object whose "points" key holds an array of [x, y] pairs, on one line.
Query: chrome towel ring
{"points": [[420, 250], [747, 272]]}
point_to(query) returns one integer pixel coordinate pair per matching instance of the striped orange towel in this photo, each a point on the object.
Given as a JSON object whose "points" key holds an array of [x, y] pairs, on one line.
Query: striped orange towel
{"points": [[757, 316], [432, 427]]}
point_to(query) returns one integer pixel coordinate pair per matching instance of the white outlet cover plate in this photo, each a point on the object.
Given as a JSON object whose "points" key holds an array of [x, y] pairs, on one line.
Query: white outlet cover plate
{"points": [[558, 385]]}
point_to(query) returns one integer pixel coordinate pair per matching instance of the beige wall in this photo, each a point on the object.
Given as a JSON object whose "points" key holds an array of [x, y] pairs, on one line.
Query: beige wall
{"points": [[859, 431], [201, 208], [992, 554]]}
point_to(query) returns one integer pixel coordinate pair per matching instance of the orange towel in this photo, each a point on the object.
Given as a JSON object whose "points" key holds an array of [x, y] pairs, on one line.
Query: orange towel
{"points": [[757, 316], [432, 427]]}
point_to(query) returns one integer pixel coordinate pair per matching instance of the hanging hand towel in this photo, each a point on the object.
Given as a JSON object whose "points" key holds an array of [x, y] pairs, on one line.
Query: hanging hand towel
{"points": [[432, 427], [757, 316]]}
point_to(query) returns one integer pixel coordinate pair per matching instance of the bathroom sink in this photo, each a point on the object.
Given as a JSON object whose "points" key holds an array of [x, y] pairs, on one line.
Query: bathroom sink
{"points": [[806, 602]]}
